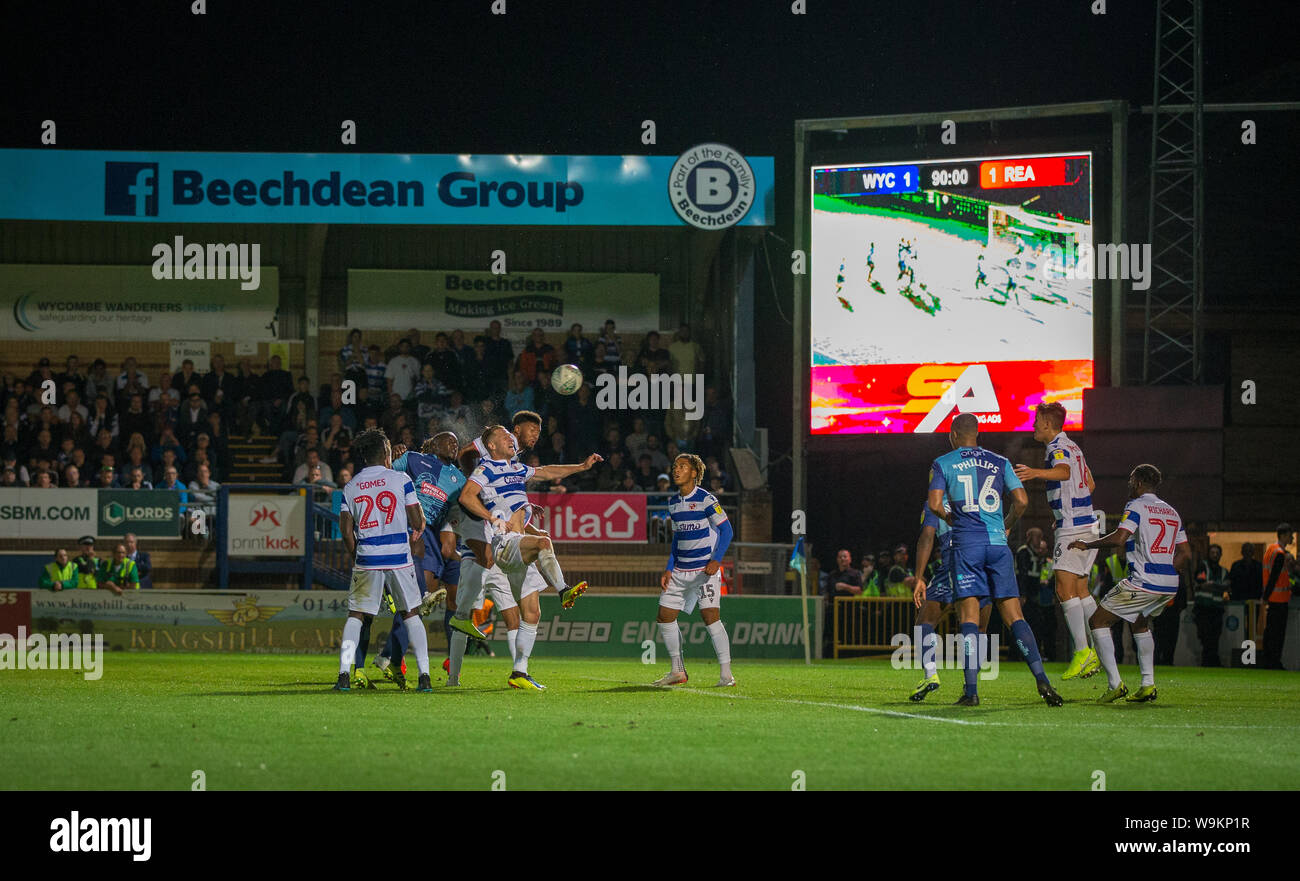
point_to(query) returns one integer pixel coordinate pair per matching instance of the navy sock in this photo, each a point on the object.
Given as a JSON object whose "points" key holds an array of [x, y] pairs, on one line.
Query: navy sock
{"points": [[446, 625], [970, 638], [363, 642], [1028, 646], [397, 639]]}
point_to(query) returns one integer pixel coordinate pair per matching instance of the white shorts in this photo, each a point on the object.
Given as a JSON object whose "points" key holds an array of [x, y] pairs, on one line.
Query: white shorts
{"points": [[686, 588], [477, 582], [1126, 600], [368, 589], [1077, 562]]}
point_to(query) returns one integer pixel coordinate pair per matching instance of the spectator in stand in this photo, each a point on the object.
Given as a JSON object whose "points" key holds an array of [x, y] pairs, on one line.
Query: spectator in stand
{"points": [[200, 456], [579, 350], [27, 402], [353, 349], [164, 396], [613, 344], [135, 478], [98, 381], [872, 580], [168, 442], [715, 425], [131, 376], [75, 433], [537, 355], [1246, 575], [485, 414], [44, 479], [302, 396], [629, 483], [583, 424], [60, 574], [713, 469], [72, 477], [72, 374], [9, 477], [203, 492], [457, 416], [136, 420], [1212, 591], [520, 394], [136, 457], [842, 581], [345, 475], [600, 364], [447, 366], [476, 382], [274, 391], [402, 370], [107, 477], [610, 473], [311, 461], [309, 438], [102, 416], [335, 431], [143, 562], [105, 443], [336, 407], [339, 454], [636, 441], [393, 418], [549, 401], [430, 394], [646, 474], [554, 453], [315, 478], [220, 443], [193, 417], [685, 355], [376, 373], [121, 574], [73, 405], [43, 449], [461, 348], [90, 569], [182, 379], [218, 380], [657, 458], [500, 358], [42, 374], [418, 352], [613, 442]]}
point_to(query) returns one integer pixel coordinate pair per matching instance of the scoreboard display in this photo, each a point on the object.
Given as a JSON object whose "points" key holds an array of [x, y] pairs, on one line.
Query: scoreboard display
{"points": [[950, 286]]}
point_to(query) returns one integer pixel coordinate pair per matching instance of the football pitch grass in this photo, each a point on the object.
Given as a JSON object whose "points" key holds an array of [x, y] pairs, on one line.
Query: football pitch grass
{"points": [[272, 722]]}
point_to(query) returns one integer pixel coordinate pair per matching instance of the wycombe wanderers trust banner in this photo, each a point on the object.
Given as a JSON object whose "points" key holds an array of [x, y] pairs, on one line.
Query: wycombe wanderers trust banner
{"points": [[468, 301], [128, 302]]}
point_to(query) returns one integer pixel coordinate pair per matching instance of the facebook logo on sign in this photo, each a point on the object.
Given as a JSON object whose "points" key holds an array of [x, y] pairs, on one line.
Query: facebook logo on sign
{"points": [[131, 189]]}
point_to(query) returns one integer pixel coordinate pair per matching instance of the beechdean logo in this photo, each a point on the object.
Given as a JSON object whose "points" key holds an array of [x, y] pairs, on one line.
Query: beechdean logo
{"points": [[131, 189], [711, 186]]}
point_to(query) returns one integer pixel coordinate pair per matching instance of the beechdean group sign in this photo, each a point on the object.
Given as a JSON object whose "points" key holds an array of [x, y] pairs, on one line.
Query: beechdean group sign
{"points": [[498, 190]]}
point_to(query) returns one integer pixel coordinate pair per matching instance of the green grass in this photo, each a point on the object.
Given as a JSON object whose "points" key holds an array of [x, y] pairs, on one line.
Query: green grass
{"points": [[271, 722]]}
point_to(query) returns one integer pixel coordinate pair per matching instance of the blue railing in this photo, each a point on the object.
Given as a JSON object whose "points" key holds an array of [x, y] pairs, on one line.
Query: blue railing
{"points": [[331, 565]]}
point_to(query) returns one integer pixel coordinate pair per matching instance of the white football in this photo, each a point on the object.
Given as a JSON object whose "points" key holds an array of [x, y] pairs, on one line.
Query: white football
{"points": [[566, 379]]}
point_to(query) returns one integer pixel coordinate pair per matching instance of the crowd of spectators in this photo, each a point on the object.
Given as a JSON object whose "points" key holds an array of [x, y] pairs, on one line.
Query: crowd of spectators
{"points": [[413, 390]]}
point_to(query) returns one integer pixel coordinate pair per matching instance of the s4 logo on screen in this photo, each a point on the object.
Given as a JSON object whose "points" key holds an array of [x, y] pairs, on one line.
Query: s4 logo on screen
{"points": [[938, 389]]}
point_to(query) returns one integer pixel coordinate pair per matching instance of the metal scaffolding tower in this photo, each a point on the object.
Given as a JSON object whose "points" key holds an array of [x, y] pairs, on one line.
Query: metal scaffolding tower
{"points": [[1171, 348]]}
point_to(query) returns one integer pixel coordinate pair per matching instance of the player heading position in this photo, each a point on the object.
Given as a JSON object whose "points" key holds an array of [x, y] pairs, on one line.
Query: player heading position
{"points": [[1069, 495], [380, 518], [973, 479], [701, 533], [1156, 547]]}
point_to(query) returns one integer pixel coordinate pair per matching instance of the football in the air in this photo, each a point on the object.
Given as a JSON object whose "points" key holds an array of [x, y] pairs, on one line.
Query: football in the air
{"points": [[566, 379]]}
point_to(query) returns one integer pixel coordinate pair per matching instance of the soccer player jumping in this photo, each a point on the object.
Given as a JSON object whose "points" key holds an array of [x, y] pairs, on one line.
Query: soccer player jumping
{"points": [[973, 480], [1069, 494], [701, 533], [1156, 544]]}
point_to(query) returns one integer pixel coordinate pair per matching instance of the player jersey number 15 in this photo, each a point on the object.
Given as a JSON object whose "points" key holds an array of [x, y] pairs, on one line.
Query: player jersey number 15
{"points": [[989, 500], [386, 502]]}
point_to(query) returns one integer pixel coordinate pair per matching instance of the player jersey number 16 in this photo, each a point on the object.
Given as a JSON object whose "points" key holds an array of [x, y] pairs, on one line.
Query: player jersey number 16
{"points": [[989, 500], [386, 502]]}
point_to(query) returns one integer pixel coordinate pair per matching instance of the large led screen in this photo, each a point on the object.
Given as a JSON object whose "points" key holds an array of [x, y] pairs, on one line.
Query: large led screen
{"points": [[943, 287]]}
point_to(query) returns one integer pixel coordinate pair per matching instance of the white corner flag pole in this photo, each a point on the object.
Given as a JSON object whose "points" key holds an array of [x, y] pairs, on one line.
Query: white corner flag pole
{"points": [[803, 607]]}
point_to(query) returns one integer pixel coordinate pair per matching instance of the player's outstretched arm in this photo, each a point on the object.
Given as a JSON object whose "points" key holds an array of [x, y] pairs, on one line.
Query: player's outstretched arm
{"points": [[415, 518], [1019, 502], [1056, 472], [1115, 539], [470, 501], [559, 472]]}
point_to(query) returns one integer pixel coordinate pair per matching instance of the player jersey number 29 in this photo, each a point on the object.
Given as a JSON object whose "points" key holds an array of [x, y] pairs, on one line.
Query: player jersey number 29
{"points": [[989, 500], [386, 502]]}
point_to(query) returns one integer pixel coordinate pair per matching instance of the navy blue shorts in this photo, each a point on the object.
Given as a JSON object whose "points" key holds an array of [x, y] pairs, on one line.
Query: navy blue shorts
{"points": [[941, 588], [984, 570], [432, 561]]}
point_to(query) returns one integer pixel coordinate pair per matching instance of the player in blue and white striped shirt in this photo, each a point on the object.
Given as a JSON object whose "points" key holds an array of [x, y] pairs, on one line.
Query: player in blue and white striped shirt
{"points": [[1069, 495], [701, 533], [1156, 546], [381, 516]]}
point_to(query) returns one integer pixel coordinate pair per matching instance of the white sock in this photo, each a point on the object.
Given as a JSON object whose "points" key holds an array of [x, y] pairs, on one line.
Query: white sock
{"points": [[1101, 638], [1089, 607], [348, 649], [458, 642], [1146, 646], [930, 655], [512, 637], [1076, 621], [721, 647], [524, 645], [550, 569], [419, 642], [671, 634]]}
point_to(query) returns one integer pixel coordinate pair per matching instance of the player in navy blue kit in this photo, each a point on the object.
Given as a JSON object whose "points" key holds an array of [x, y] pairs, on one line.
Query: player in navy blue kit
{"points": [[931, 599], [972, 480]]}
